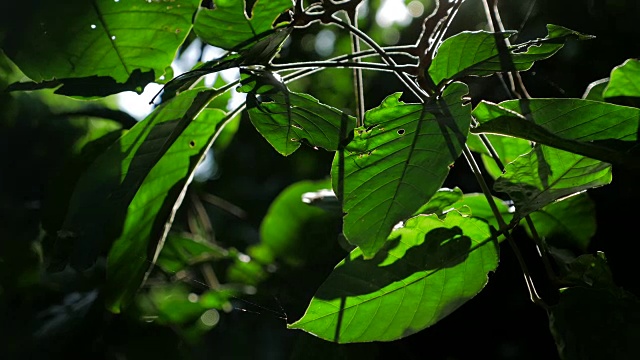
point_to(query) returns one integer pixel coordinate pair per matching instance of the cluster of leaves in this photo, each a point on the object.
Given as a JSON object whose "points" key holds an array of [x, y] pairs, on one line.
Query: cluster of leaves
{"points": [[417, 251]]}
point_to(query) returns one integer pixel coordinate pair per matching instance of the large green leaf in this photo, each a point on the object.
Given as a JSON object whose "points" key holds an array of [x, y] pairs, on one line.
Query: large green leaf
{"points": [[287, 119], [396, 162], [92, 44], [130, 192], [546, 174], [476, 53], [427, 270], [227, 25], [151, 212], [595, 129]]}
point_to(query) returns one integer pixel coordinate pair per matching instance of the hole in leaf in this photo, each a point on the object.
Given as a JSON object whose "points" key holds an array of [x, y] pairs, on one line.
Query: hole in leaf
{"points": [[401, 132], [192, 143]]}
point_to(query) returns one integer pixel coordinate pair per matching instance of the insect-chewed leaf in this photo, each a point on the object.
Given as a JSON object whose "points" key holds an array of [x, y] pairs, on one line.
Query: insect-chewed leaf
{"points": [[426, 271], [227, 25], [396, 162], [475, 53]]}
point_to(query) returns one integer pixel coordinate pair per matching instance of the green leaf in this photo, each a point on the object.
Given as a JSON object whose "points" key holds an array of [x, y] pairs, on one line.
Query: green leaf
{"points": [[426, 271], [396, 162], [287, 119], [568, 223], [507, 148], [180, 252], [296, 232], [151, 212], [230, 27], [624, 80], [546, 174], [595, 129], [481, 209], [442, 200], [595, 90], [475, 53], [90, 45], [99, 203]]}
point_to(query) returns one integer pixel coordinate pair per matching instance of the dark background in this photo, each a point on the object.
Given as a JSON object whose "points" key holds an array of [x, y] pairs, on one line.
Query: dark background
{"points": [[499, 323]]}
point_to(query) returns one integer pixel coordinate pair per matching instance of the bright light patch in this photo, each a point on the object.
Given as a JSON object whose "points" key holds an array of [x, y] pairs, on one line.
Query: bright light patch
{"points": [[210, 318], [324, 42], [391, 12], [416, 8]]}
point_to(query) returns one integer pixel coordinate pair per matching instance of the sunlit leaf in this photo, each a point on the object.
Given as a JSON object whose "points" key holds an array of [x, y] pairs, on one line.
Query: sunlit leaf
{"points": [[151, 211], [624, 80], [230, 27], [480, 208], [595, 129], [396, 162], [476, 53], [94, 47], [546, 174], [507, 149], [442, 200], [287, 119], [427, 270]]}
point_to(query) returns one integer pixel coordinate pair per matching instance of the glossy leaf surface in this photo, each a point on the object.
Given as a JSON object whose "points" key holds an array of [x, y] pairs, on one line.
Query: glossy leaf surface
{"points": [[428, 269]]}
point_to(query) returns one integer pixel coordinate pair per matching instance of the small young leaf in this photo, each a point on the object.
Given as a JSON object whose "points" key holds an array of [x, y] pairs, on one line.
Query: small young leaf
{"points": [[426, 271], [396, 162]]}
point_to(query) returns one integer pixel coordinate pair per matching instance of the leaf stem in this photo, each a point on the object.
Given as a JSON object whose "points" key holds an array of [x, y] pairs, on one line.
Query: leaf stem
{"points": [[533, 294], [404, 78]]}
